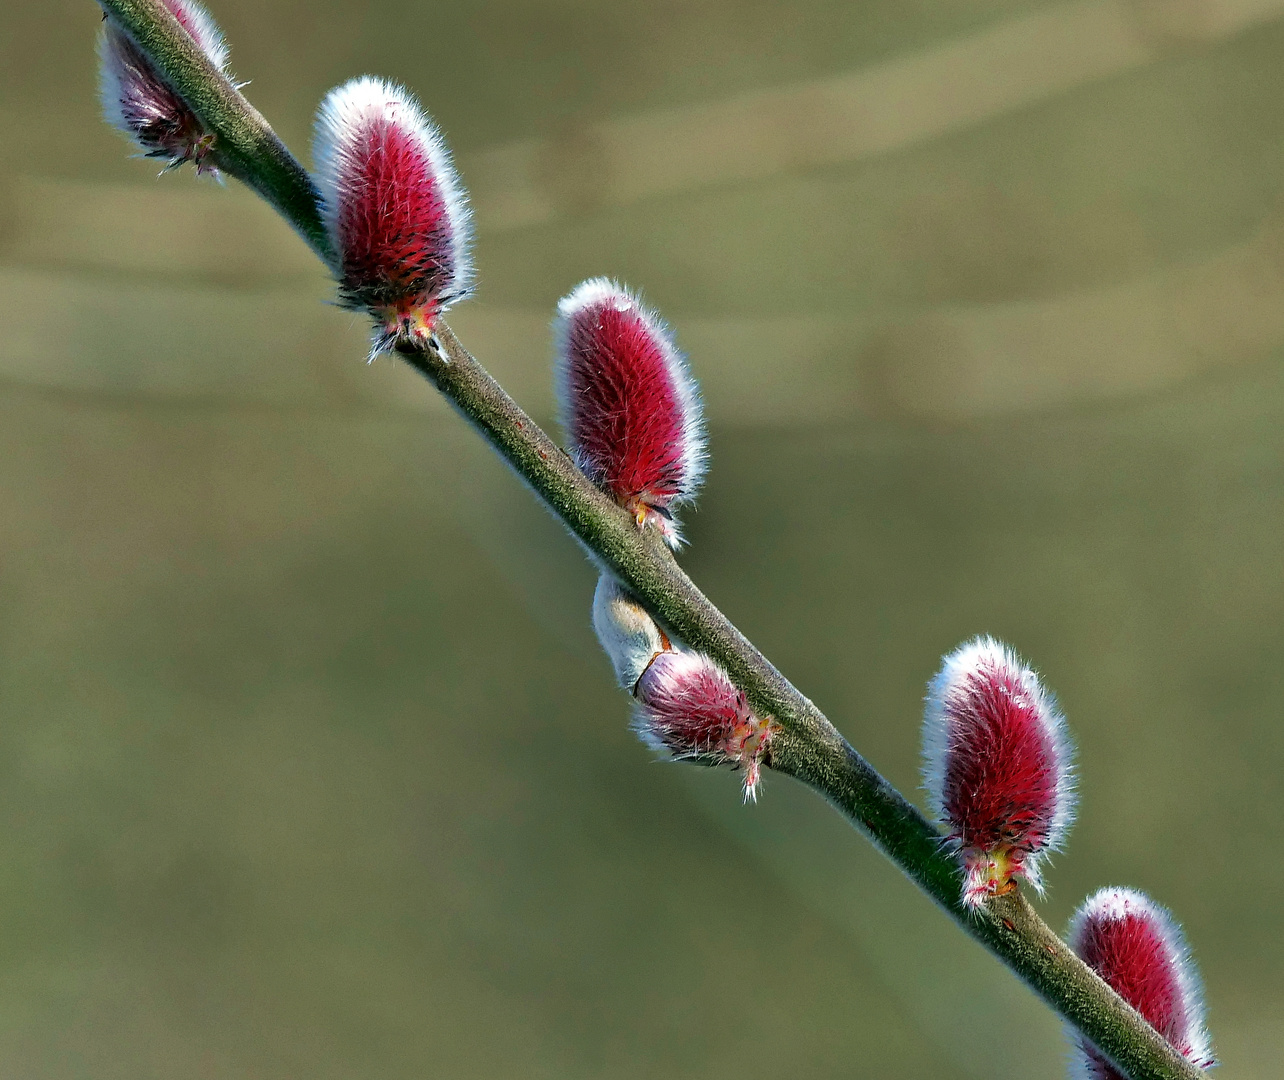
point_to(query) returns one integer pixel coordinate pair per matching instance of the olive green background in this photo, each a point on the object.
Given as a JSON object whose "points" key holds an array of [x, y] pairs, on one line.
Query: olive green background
{"points": [[309, 766]]}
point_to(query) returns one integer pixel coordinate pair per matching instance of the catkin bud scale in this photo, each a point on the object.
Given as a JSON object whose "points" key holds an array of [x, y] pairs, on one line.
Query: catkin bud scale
{"points": [[628, 634]]}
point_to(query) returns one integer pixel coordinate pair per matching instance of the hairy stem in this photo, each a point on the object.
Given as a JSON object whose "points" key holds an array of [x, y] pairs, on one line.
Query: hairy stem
{"points": [[808, 746]]}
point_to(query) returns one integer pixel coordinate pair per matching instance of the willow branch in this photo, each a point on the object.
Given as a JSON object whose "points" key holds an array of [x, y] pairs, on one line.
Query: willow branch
{"points": [[807, 747]]}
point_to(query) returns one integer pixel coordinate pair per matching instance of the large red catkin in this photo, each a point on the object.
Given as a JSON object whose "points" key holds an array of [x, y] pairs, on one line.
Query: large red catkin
{"points": [[394, 209], [629, 406], [139, 101], [1138, 948], [996, 767]]}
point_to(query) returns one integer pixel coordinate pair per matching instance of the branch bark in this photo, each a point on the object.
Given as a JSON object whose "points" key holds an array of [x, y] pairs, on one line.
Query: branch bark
{"points": [[808, 746]]}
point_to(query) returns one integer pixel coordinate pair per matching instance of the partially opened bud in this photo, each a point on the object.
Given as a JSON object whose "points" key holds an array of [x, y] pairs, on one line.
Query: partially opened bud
{"points": [[139, 101], [688, 708], [630, 408], [629, 636], [996, 767], [394, 210], [1138, 948]]}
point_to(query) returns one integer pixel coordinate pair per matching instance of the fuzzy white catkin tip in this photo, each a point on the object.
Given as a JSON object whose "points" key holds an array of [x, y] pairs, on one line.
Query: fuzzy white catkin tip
{"points": [[205, 32]]}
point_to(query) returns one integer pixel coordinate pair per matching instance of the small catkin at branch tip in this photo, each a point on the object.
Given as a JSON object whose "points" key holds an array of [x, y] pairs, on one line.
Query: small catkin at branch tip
{"points": [[630, 409], [396, 214], [996, 767], [1138, 948], [140, 102]]}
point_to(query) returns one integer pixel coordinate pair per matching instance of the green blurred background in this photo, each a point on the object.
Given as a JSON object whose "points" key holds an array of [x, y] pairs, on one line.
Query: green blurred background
{"points": [[309, 765]]}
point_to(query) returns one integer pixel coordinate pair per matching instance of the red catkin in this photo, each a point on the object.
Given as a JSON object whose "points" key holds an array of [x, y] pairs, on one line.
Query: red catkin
{"points": [[996, 767], [139, 101], [688, 708], [629, 406], [1138, 948], [394, 209]]}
